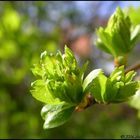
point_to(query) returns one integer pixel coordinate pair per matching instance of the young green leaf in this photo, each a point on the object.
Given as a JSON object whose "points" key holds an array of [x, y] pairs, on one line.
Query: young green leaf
{"points": [[117, 74], [58, 75], [89, 78], [95, 89], [98, 86], [40, 92], [111, 92], [101, 45], [37, 70], [106, 41], [103, 82], [82, 71], [118, 87], [56, 115], [69, 59], [129, 76], [119, 37], [127, 91]]}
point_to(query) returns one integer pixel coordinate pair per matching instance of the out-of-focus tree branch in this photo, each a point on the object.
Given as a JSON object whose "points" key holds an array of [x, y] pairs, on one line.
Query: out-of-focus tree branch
{"points": [[136, 66]]}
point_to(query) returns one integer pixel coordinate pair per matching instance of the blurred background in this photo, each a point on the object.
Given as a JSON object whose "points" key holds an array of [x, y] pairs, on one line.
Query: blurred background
{"points": [[29, 28]]}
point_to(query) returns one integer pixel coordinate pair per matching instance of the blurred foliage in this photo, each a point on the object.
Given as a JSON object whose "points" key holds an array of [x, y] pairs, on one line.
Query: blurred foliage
{"points": [[136, 102], [20, 43], [135, 19], [27, 29], [133, 14]]}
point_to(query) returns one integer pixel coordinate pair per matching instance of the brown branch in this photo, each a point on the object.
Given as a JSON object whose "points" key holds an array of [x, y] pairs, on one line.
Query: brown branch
{"points": [[87, 102], [136, 66]]}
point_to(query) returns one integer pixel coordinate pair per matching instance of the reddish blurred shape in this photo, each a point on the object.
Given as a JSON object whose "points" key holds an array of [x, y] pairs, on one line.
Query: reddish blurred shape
{"points": [[78, 39]]}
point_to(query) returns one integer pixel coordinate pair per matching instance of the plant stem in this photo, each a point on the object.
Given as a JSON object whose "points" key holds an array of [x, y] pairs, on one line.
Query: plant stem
{"points": [[136, 66], [87, 102]]}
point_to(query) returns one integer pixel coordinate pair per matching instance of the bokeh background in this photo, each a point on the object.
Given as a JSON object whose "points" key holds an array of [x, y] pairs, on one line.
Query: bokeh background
{"points": [[29, 28]]}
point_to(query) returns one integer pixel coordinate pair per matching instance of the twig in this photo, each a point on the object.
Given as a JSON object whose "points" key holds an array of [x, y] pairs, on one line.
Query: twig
{"points": [[136, 66], [88, 101]]}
